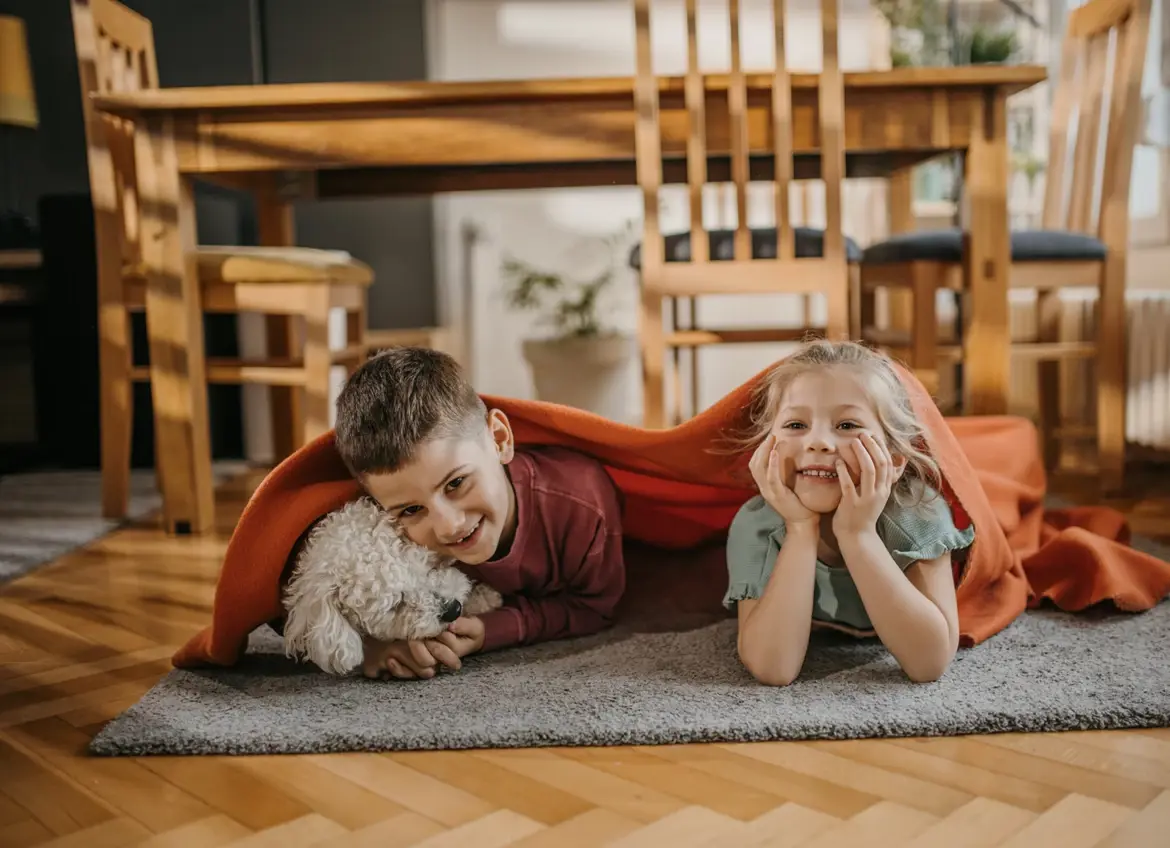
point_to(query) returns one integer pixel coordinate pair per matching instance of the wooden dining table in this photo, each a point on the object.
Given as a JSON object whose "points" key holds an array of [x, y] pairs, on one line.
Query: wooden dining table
{"points": [[345, 140]]}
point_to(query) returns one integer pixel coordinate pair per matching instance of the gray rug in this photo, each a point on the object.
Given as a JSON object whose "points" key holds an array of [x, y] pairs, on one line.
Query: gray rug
{"points": [[1048, 671], [45, 514]]}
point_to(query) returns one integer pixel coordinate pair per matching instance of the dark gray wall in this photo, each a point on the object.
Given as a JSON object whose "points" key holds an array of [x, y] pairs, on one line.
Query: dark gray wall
{"points": [[362, 40], [209, 42], [50, 159], [344, 40], [256, 41], [181, 41]]}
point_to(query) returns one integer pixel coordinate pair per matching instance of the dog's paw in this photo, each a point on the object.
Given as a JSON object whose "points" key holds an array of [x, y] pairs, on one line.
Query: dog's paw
{"points": [[483, 598]]}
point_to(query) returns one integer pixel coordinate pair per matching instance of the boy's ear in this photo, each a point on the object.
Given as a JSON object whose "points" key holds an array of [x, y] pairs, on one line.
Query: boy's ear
{"points": [[500, 431]]}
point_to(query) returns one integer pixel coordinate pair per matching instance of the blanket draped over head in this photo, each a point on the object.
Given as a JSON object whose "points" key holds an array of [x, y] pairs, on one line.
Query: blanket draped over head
{"points": [[681, 488]]}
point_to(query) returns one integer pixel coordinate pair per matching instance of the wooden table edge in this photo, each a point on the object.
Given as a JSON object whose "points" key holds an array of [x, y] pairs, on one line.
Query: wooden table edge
{"points": [[437, 93]]}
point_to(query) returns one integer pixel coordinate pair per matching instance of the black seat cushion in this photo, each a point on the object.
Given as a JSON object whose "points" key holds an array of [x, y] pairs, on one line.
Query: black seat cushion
{"points": [[810, 243], [947, 246]]}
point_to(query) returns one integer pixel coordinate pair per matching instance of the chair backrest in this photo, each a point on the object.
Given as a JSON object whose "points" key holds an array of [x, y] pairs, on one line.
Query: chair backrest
{"points": [[115, 53], [1096, 198], [700, 89]]}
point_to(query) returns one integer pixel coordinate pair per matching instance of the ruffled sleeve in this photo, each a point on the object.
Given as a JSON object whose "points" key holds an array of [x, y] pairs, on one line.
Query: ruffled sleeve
{"points": [[922, 531], [753, 541]]}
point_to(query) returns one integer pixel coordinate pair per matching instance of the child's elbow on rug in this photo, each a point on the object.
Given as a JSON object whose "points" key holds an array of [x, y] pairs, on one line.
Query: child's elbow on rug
{"points": [[925, 654], [929, 668], [767, 668], [771, 676]]}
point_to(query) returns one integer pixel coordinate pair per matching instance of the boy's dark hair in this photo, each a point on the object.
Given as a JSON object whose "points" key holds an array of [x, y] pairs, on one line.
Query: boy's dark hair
{"points": [[398, 399]]}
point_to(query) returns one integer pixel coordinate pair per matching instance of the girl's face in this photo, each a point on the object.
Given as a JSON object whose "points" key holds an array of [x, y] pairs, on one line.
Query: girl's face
{"points": [[821, 415]]}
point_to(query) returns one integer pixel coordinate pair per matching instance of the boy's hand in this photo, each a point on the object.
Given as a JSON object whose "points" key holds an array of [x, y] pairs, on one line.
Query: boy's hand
{"points": [[463, 636], [410, 660], [406, 660]]}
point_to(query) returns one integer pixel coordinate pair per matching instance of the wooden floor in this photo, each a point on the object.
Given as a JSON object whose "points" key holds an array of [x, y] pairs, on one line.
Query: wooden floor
{"points": [[83, 639]]}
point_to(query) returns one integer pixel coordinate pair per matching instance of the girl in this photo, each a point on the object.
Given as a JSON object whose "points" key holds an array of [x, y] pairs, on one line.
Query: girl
{"points": [[848, 530]]}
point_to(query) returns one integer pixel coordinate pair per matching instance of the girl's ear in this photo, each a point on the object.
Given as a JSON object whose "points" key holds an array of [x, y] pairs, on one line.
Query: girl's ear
{"points": [[899, 465]]}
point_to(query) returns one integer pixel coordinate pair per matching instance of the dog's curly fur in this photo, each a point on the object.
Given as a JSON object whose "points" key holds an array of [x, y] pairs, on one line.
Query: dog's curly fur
{"points": [[358, 576]]}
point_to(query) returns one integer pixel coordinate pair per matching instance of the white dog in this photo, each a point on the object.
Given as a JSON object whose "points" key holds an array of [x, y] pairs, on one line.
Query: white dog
{"points": [[358, 576]]}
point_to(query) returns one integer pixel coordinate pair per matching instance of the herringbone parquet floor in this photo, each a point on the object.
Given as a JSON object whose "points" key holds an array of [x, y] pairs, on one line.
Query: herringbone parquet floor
{"points": [[82, 639]]}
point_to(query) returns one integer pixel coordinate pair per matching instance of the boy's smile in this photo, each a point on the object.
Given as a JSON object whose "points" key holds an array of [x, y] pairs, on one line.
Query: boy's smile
{"points": [[455, 496]]}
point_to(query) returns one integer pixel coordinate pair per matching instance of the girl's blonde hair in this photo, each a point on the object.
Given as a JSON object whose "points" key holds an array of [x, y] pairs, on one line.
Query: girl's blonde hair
{"points": [[904, 433]]}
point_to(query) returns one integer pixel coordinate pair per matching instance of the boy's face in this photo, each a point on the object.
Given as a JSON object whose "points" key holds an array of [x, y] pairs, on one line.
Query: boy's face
{"points": [[455, 497]]}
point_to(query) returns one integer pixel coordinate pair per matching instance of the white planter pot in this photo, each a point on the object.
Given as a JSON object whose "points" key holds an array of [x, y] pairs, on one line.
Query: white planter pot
{"points": [[584, 373]]}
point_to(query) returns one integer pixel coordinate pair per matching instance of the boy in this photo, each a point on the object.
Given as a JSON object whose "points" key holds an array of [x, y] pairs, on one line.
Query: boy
{"points": [[542, 526]]}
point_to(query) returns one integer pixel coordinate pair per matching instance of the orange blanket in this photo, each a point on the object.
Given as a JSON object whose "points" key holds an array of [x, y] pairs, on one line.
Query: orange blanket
{"points": [[680, 490]]}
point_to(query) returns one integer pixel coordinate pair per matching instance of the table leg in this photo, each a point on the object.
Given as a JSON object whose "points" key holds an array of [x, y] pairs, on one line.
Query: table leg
{"points": [[277, 225], [174, 321], [318, 362], [900, 212], [987, 262], [652, 335], [900, 201]]}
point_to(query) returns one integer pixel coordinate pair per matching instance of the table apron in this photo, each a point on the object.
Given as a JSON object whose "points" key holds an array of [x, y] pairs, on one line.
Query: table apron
{"points": [[884, 129]]}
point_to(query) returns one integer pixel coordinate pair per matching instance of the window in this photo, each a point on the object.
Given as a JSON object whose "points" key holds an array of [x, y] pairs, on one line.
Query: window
{"points": [[1021, 129], [1151, 158], [1150, 179]]}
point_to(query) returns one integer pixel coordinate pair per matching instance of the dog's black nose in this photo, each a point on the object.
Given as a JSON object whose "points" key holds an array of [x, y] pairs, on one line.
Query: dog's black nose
{"points": [[451, 611]]}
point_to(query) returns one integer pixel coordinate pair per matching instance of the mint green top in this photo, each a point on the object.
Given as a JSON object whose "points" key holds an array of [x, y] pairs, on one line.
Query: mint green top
{"points": [[913, 533]]}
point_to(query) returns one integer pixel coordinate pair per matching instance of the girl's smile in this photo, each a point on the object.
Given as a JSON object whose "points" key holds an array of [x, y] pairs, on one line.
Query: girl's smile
{"points": [[821, 417]]}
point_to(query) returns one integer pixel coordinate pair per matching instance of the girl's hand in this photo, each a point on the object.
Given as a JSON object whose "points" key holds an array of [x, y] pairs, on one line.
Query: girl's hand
{"points": [[862, 504], [775, 489]]}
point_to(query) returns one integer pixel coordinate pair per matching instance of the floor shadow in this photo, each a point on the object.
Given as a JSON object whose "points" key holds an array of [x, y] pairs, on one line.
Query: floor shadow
{"points": [[673, 591]]}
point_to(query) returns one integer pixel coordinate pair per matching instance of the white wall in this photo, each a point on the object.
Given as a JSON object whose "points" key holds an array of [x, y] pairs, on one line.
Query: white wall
{"points": [[517, 39]]}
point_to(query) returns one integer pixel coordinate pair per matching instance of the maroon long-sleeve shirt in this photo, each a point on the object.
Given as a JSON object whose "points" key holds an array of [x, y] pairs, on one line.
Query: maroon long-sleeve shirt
{"points": [[564, 573]]}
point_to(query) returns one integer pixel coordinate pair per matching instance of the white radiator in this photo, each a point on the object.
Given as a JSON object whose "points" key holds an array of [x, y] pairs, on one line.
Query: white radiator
{"points": [[1148, 392], [1148, 397]]}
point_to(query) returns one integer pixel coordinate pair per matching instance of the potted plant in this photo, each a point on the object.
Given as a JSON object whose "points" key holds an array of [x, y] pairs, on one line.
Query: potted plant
{"points": [[918, 31], [1030, 166], [579, 362], [986, 46]]}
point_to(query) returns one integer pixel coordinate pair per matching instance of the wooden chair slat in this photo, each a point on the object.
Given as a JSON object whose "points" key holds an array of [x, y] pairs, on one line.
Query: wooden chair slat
{"points": [[1098, 16], [782, 136], [697, 140], [668, 279], [1081, 217]]}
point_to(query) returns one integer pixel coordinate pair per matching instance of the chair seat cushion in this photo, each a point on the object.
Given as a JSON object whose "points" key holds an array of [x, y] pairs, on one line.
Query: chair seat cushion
{"points": [[946, 245], [235, 264], [810, 243]]}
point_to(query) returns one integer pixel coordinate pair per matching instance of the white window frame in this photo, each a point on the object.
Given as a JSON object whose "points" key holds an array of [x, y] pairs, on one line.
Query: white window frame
{"points": [[1154, 230]]}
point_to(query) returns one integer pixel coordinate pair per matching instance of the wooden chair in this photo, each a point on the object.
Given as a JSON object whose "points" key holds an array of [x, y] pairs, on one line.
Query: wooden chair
{"points": [[1082, 243], [781, 259], [115, 51]]}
